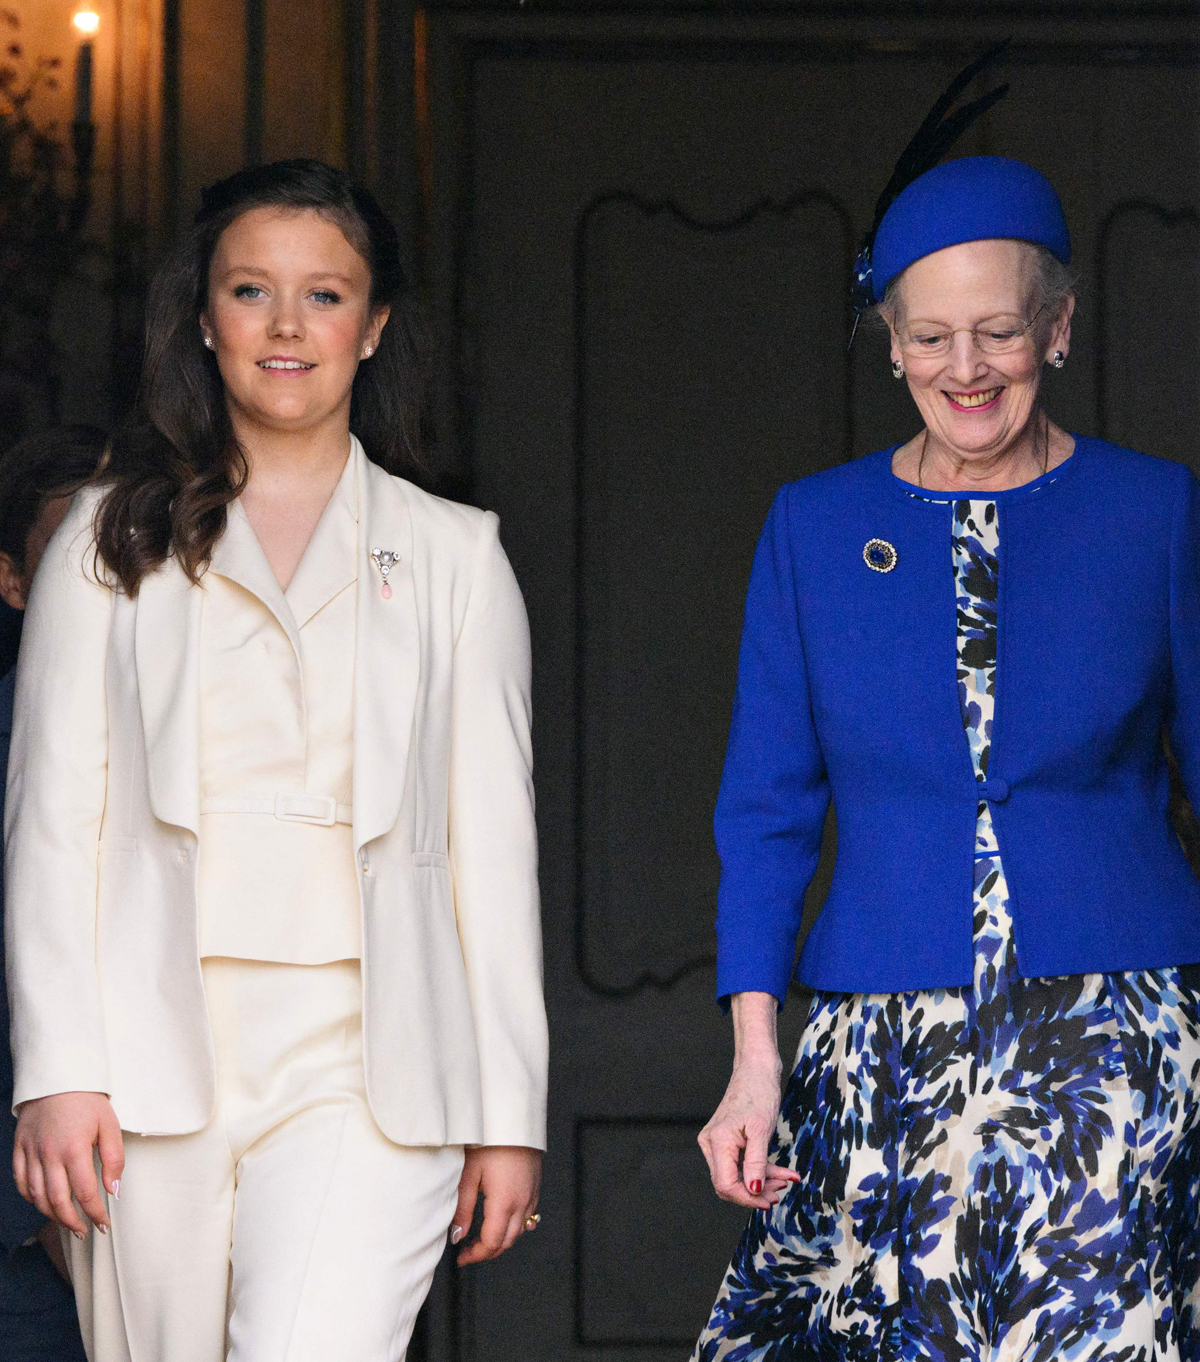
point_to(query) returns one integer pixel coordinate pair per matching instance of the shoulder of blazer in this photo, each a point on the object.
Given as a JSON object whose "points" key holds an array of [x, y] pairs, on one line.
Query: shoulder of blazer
{"points": [[1129, 473], [448, 527], [77, 531], [832, 491], [70, 555], [1104, 469]]}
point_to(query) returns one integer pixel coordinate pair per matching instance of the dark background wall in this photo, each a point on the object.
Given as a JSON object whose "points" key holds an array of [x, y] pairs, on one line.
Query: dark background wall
{"points": [[633, 224]]}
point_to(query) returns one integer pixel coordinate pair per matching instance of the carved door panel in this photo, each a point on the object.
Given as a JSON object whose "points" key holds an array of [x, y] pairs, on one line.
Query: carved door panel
{"points": [[640, 238]]}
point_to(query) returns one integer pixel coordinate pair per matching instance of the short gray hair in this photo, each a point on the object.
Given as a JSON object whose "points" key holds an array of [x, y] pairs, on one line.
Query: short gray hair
{"points": [[1053, 284]]}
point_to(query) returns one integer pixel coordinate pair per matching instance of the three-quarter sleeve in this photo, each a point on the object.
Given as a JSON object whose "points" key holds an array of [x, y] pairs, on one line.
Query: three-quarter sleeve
{"points": [[774, 790], [1184, 718]]}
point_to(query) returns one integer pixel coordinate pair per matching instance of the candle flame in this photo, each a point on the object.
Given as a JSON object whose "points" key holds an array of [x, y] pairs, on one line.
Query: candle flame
{"points": [[87, 21]]}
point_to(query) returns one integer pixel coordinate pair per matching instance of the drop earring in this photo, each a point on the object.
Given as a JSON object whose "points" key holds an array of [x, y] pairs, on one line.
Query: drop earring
{"points": [[897, 369], [1059, 359]]}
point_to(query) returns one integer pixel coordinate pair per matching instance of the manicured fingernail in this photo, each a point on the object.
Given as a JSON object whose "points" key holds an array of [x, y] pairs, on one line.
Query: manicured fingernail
{"points": [[102, 1228], [456, 1234], [117, 1189], [756, 1187], [79, 1234]]}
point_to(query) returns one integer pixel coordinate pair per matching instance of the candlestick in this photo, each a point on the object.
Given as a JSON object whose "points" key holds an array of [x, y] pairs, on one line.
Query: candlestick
{"points": [[83, 83]]}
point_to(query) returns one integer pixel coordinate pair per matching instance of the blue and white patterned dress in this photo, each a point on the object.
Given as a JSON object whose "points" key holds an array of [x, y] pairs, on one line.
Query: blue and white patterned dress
{"points": [[1008, 1172]]}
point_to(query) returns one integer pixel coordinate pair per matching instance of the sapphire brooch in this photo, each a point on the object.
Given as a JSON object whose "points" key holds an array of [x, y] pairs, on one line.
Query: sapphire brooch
{"points": [[879, 555]]}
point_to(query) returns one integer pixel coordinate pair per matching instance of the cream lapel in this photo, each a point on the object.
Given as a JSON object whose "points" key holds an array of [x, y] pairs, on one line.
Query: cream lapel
{"points": [[238, 555], [167, 657], [330, 562], [387, 662]]}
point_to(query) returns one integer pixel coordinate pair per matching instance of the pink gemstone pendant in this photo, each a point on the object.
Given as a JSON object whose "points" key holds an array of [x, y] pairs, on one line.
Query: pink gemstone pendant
{"points": [[385, 560]]}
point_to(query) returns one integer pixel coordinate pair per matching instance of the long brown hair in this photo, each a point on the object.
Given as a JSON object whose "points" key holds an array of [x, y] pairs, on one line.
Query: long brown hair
{"points": [[176, 466]]}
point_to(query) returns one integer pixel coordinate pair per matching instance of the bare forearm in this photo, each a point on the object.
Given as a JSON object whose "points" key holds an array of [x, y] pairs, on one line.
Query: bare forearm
{"points": [[755, 1038], [736, 1141]]}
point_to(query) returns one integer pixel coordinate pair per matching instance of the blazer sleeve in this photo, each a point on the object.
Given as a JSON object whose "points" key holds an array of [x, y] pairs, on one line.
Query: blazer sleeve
{"points": [[19, 1221], [493, 849], [57, 775], [774, 789], [1184, 714]]}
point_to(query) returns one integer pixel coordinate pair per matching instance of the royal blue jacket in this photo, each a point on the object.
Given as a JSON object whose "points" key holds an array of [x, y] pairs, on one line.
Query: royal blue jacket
{"points": [[847, 689]]}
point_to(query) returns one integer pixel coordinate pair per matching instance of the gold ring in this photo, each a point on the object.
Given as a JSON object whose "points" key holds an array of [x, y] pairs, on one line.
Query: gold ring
{"points": [[532, 1221]]}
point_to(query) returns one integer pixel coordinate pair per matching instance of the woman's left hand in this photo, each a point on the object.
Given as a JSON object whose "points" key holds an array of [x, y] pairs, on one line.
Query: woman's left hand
{"points": [[509, 1177]]}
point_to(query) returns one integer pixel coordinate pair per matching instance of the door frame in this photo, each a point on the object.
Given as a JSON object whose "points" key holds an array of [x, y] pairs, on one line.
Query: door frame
{"points": [[453, 36]]}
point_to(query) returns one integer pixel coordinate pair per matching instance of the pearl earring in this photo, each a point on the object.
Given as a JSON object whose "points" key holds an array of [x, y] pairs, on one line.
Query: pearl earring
{"points": [[1059, 359], [208, 342], [897, 369], [368, 352]]}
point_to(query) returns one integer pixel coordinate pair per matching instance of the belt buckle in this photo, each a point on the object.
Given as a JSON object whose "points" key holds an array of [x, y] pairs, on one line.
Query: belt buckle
{"points": [[320, 810]]}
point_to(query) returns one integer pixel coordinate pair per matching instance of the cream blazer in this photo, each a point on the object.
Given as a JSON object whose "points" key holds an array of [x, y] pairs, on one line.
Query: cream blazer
{"points": [[103, 814]]}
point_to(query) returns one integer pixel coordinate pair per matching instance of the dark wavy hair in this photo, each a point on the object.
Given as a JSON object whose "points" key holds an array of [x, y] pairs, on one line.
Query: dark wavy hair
{"points": [[39, 469], [176, 465]]}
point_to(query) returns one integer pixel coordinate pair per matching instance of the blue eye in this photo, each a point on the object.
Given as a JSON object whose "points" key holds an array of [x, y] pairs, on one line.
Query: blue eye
{"points": [[326, 295], [247, 291]]}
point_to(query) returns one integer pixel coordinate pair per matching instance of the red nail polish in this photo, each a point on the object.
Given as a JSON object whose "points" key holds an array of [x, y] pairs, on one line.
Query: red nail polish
{"points": [[755, 1187]]}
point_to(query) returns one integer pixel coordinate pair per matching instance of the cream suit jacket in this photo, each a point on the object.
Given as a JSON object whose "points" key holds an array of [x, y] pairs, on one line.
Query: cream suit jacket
{"points": [[103, 813]]}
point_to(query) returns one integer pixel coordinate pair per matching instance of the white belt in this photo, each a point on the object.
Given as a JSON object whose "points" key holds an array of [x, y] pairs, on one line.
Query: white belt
{"points": [[323, 810]]}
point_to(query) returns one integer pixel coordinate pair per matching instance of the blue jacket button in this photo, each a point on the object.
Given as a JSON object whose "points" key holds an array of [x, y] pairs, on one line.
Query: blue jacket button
{"points": [[995, 791]]}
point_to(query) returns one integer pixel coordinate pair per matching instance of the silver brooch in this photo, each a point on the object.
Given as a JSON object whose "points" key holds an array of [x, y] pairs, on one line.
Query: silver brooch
{"points": [[879, 555], [385, 560]]}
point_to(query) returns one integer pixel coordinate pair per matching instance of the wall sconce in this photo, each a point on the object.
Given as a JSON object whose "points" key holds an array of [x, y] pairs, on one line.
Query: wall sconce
{"points": [[83, 130]]}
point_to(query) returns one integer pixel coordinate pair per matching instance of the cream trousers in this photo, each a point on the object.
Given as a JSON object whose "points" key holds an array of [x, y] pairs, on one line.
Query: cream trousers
{"points": [[290, 1229]]}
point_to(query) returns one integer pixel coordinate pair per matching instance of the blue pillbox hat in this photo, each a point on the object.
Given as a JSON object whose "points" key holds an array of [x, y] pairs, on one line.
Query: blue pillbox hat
{"points": [[975, 198]]}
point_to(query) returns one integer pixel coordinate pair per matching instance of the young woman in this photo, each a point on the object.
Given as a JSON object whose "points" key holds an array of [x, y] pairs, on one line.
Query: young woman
{"points": [[274, 949]]}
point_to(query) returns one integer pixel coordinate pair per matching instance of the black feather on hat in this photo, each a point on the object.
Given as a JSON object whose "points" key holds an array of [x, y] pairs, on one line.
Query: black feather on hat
{"points": [[932, 140]]}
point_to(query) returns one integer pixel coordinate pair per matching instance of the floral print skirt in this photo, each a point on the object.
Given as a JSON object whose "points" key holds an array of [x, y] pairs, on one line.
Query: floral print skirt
{"points": [[1007, 1172]]}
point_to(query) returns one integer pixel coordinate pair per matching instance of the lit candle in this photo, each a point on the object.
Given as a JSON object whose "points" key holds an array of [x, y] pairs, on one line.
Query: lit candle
{"points": [[87, 22]]}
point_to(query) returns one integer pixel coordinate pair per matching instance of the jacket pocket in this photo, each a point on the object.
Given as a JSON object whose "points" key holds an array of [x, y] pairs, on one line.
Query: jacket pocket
{"points": [[114, 846], [437, 859]]}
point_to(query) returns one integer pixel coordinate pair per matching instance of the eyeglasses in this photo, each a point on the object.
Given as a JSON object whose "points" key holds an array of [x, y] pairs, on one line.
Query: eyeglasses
{"points": [[994, 336]]}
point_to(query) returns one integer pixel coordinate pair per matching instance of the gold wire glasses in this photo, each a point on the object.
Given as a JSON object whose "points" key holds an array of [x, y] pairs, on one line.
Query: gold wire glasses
{"points": [[993, 336]]}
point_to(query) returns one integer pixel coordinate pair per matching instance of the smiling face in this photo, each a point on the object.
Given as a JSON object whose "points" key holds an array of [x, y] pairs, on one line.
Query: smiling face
{"points": [[976, 405], [289, 318]]}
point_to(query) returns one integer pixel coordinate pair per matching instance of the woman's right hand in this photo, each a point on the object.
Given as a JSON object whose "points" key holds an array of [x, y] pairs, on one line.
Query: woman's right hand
{"points": [[53, 1159], [736, 1140]]}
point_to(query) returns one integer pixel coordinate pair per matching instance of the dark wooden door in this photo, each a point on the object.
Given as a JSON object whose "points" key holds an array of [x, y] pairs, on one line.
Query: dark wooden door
{"points": [[640, 226]]}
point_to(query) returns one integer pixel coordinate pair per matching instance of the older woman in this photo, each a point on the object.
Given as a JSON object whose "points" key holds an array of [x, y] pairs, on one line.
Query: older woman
{"points": [[972, 642]]}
